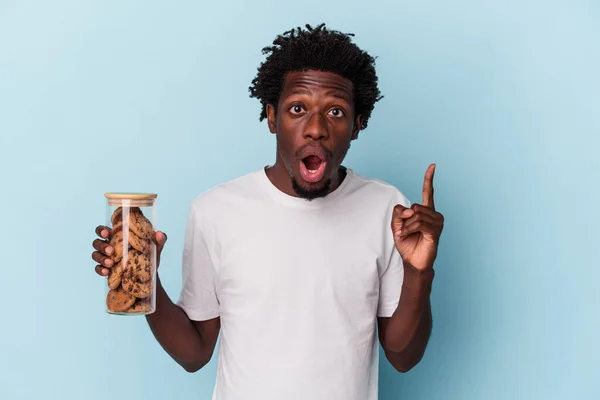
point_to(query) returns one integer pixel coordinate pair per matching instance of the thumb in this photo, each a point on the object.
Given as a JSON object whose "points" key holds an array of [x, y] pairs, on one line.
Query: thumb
{"points": [[161, 239]]}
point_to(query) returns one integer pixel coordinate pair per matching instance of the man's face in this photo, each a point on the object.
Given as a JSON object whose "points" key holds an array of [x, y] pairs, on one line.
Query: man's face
{"points": [[314, 124]]}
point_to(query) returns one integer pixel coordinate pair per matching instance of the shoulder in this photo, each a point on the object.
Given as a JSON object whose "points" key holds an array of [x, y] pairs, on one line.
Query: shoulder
{"points": [[379, 190], [218, 196]]}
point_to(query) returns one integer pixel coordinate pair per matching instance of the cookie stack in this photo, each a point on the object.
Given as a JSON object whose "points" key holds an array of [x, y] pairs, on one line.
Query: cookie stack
{"points": [[130, 280]]}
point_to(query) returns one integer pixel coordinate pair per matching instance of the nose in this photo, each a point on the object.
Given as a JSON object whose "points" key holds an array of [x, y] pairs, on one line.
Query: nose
{"points": [[316, 127]]}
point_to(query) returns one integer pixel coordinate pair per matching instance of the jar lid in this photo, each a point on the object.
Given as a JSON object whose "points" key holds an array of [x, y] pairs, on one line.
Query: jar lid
{"points": [[130, 199], [130, 196]]}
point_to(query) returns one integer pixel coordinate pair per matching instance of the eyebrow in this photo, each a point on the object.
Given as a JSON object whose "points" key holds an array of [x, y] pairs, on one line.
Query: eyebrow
{"points": [[339, 95]]}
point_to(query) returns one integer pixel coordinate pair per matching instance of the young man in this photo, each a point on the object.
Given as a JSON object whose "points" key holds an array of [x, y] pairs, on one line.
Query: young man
{"points": [[299, 264]]}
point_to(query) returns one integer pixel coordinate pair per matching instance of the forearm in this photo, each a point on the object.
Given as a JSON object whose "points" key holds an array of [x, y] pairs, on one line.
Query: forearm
{"points": [[176, 333], [409, 328]]}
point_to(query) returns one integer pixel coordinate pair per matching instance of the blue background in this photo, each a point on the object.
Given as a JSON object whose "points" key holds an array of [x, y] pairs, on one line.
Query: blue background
{"points": [[503, 96]]}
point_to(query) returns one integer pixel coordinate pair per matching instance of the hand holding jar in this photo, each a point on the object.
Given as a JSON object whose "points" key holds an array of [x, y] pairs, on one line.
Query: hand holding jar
{"points": [[128, 253]]}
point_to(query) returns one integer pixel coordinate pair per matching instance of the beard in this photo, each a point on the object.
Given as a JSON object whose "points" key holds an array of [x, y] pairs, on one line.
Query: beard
{"points": [[313, 193]]}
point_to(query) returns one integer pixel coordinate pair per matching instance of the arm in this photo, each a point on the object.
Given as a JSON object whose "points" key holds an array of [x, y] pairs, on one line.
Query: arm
{"points": [[404, 335], [190, 343], [188, 329]]}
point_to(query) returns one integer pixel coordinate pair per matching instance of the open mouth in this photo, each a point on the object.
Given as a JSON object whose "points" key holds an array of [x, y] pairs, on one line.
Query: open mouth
{"points": [[312, 168]]}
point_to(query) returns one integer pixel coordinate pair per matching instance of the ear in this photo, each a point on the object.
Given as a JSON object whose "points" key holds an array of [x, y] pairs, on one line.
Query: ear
{"points": [[356, 128], [271, 118]]}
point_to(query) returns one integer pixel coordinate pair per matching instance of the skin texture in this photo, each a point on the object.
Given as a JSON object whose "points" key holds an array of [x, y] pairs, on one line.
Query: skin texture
{"points": [[316, 109]]}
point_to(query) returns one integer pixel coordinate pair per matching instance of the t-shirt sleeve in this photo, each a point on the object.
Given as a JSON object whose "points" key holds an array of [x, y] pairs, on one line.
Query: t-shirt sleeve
{"points": [[390, 285], [198, 297], [390, 282]]}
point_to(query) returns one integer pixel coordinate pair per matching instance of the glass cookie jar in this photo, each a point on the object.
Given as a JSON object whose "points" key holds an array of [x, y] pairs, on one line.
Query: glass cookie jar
{"points": [[131, 283]]}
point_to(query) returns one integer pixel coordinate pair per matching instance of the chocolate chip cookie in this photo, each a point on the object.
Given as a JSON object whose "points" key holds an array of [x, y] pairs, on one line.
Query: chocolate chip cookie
{"points": [[115, 275], [142, 245], [117, 215], [140, 306], [116, 242], [138, 223], [134, 287], [118, 300], [138, 266], [142, 226]]}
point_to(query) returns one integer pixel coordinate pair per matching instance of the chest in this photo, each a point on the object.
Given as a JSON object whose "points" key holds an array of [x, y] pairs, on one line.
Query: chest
{"points": [[314, 261]]}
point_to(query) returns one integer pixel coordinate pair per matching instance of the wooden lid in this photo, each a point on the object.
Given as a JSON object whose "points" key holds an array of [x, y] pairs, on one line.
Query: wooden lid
{"points": [[130, 199], [130, 196]]}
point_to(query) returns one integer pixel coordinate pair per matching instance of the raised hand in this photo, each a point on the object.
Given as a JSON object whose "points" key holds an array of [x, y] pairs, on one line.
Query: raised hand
{"points": [[417, 229]]}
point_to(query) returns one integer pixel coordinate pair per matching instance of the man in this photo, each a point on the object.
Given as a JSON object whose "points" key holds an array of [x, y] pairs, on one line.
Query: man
{"points": [[299, 264]]}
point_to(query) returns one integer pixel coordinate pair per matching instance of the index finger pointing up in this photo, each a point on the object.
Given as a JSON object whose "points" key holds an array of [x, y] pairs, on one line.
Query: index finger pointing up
{"points": [[428, 187]]}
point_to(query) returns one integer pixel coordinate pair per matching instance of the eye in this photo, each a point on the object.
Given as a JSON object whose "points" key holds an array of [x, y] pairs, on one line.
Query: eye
{"points": [[296, 109], [336, 112]]}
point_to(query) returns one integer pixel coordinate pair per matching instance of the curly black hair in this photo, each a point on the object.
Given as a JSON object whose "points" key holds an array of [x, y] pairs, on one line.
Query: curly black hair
{"points": [[317, 49]]}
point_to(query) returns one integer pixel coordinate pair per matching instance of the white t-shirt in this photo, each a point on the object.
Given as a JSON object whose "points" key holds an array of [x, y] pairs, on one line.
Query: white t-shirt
{"points": [[297, 284]]}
